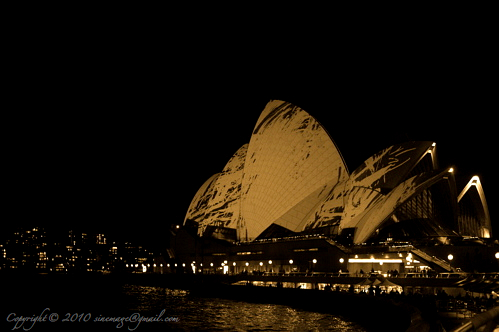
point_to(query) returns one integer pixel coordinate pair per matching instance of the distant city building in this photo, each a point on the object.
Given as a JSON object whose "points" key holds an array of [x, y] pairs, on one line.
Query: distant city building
{"points": [[41, 251], [291, 181]]}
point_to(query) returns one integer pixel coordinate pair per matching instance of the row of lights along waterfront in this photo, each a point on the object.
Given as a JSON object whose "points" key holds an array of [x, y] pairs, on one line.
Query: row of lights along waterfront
{"points": [[225, 266]]}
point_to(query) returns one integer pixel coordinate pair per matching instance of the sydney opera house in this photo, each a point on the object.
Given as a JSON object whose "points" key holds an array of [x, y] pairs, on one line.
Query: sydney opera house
{"points": [[286, 200]]}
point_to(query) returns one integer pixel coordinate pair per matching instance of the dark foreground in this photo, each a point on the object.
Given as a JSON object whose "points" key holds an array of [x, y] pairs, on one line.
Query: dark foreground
{"points": [[374, 313], [67, 294]]}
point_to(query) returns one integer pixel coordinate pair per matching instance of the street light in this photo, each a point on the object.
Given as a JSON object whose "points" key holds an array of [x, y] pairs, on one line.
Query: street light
{"points": [[312, 267], [291, 261], [341, 260], [450, 257]]}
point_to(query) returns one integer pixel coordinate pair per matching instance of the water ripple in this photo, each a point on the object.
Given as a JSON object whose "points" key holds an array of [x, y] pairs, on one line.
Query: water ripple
{"points": [[215, 314]]}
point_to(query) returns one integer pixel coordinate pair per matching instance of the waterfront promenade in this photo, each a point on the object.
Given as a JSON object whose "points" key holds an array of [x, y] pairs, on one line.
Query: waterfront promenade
{"points": [[409, 279]]}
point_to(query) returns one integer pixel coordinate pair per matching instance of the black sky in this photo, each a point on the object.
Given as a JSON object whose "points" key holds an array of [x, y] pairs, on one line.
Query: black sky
{"points": [[134, 171], [121, 145]]}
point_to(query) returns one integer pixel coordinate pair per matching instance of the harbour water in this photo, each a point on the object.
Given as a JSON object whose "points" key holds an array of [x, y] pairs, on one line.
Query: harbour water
{"points": [[95, 304], [217, 314]]}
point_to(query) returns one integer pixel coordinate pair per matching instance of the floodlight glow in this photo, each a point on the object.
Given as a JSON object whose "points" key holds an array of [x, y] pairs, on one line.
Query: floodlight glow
{"points": [[374, 260]]}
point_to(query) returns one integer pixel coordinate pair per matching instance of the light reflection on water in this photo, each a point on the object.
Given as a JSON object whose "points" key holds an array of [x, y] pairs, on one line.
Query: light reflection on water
{"points": [[215, 314]]}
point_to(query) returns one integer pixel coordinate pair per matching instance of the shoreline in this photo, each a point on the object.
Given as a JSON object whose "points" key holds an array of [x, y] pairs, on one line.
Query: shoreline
{"points": [[372, 312]]}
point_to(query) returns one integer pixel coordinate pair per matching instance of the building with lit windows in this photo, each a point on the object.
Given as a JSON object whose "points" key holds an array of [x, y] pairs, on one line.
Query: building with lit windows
{"points": [[286, 201], [37, 250]]}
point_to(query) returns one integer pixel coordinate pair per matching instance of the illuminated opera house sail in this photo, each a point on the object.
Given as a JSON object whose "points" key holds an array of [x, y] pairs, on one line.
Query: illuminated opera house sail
{"points": [[291, 178]]}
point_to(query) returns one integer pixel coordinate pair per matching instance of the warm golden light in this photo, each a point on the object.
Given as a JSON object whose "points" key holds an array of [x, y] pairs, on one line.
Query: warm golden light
{"points": [[374, 260]]}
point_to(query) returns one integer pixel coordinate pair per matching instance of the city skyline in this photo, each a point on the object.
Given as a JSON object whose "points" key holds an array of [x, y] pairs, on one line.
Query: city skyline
{"points": [[41, 250]]}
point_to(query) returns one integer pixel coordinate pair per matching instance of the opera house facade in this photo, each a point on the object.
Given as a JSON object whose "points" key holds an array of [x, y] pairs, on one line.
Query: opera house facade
{"points": [[288, 195]]}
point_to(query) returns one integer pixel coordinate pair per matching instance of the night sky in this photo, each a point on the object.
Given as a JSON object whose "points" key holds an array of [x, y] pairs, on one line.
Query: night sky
{"points": [[124, 151]]}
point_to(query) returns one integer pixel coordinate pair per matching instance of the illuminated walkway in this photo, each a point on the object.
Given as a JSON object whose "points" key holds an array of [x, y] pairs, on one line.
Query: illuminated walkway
{"points": [[480, 282]]}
